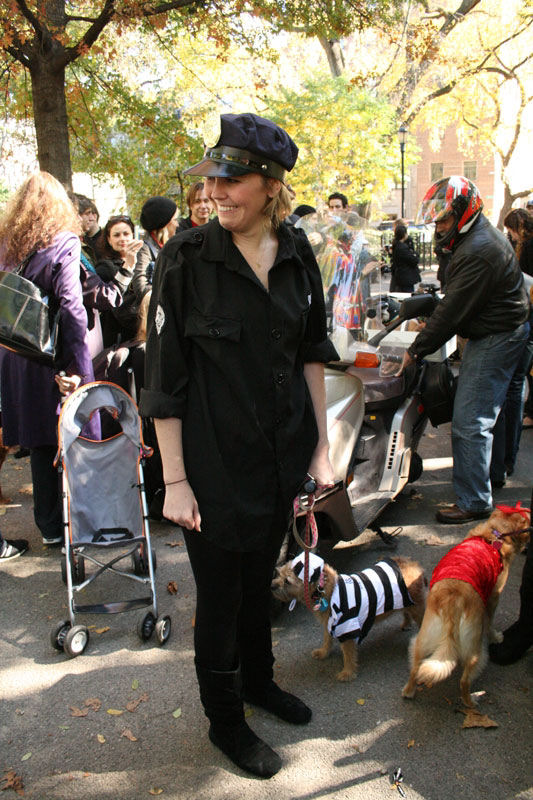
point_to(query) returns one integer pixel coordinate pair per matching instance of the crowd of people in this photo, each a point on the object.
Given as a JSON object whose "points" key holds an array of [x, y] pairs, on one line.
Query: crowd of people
{"points": [[224, 327]]}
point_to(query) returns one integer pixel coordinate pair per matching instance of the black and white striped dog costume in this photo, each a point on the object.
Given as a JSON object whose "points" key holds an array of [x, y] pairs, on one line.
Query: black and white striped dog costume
{"points": [[357, 599]]}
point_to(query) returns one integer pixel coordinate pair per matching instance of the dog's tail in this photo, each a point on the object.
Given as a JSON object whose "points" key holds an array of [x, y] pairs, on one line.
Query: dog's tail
{"points": [[442, 656]]}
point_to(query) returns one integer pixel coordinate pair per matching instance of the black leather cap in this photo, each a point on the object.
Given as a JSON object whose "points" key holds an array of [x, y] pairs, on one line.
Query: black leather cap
{"points": [[248, 143]]}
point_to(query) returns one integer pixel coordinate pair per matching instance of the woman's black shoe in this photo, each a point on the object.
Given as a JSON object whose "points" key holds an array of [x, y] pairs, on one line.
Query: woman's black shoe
{"points": [[245, 749], [284, 705]]}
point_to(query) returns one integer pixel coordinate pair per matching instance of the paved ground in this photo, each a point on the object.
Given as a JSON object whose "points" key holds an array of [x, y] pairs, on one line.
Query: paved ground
{"points": [[359, 734]]}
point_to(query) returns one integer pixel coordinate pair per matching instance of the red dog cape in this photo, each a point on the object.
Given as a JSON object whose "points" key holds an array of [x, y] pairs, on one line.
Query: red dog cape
{"points": [[474, 561]]}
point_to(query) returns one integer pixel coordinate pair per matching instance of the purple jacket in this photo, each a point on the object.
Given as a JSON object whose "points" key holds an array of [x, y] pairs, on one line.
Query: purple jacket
{"points": [[30, 397]]}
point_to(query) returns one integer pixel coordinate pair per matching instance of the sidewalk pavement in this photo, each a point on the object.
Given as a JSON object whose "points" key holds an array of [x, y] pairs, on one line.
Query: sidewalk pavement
{"points": [[123, 721]]}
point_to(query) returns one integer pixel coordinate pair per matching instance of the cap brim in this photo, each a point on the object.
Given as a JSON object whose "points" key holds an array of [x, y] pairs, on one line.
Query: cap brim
{"points": [[207, 168]]}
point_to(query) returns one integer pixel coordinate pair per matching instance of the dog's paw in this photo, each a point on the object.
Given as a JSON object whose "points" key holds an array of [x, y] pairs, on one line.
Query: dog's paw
{"points": [[321, 653], [495, 636], [345, 675], [408, 692]]}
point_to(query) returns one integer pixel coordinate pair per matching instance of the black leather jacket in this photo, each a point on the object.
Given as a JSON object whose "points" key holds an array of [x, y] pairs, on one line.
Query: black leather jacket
{"points": [[485, 291]]}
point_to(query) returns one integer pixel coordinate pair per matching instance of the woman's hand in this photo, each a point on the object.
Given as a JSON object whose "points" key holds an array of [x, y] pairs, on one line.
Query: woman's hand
{"points": [[181, 506], [67, 383], [321, 469], [129, 254]]}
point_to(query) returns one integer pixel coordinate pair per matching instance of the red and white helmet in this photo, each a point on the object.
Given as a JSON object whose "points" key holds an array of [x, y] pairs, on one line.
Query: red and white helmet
{"points": [[454, 195]]}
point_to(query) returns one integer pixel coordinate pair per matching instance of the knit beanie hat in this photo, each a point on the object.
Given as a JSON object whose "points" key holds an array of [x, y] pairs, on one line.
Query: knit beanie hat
{"points": [[157, 212]]}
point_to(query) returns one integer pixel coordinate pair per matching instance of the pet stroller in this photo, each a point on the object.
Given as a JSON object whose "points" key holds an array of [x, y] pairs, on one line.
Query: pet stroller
{"points": [[104, 512]]}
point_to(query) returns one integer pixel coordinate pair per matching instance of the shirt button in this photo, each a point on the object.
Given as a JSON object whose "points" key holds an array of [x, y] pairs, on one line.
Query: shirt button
{"points": [[278, 422], [281, 377], [198, 237], [275, 333], [214, 332]]}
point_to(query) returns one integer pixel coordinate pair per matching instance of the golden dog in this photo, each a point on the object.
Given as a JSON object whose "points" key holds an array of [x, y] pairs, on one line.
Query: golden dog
{"points": [[458, 617], [324, 588]]}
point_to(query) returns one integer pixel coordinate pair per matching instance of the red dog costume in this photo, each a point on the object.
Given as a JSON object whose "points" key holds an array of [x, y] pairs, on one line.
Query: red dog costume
{"points": [[474, 561]]}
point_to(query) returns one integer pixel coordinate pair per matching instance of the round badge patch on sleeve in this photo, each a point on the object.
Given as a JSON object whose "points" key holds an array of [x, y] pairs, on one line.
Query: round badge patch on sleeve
{"points": [[159, 320]]}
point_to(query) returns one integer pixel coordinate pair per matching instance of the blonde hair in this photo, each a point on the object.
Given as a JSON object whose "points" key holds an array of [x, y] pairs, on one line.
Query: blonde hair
{"points": [[279, 207], [37, 212], [142, 317]]}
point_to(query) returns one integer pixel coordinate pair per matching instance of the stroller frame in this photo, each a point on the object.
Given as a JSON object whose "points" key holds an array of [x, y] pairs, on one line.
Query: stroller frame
{"points": [[82, 539]]}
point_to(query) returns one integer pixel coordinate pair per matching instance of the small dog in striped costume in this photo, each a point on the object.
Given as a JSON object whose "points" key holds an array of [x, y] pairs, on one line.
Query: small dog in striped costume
{"points": [[348, 605]]}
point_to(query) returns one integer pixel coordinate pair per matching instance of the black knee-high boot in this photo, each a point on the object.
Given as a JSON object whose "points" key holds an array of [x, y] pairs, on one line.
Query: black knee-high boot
{"points": [[519, 637], [221, 699]]}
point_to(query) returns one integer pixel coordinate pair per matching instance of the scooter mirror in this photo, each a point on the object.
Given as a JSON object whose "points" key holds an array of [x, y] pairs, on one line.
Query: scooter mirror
{"points": [[418, 305]]}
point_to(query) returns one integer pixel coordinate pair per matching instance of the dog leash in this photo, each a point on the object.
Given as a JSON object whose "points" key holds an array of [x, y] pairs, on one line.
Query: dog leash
{"points": [[305, 501], [516, 509]]}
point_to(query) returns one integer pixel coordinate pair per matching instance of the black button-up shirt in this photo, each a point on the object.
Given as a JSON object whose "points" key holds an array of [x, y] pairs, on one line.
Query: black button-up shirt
{"points": [[226, 356]]}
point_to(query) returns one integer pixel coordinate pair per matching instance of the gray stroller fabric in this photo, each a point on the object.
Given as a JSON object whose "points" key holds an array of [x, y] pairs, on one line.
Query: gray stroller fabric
{"points": [[102, 476]]}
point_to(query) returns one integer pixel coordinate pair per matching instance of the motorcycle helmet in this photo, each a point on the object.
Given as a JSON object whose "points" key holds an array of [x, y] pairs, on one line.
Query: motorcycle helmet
{"points": [[454, 195]]}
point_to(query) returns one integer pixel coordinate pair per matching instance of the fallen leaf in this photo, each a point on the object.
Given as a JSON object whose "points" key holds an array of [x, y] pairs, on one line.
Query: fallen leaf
{"points": [[275, 644], [135, 684], [64, 727], [474, 719], [172, 587], [132, 704], [155, 790], [102, 630], [19, 711], [248, 712], [361, 701], [115, 712], [177, 713], [2, 511], [26, 756], [13, 781], [127, 734], [94, 703], [433, 540], [86, 775], [100, 737], [411, 743], [173, 544], [78, 712]]}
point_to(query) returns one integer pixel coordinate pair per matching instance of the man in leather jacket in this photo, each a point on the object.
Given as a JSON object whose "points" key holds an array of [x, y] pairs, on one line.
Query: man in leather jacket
{"points": [[486, 303]]}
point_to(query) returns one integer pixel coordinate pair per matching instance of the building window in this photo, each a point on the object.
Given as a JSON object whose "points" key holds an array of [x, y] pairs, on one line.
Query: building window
{"points": [[437, 171], [470, 170]]}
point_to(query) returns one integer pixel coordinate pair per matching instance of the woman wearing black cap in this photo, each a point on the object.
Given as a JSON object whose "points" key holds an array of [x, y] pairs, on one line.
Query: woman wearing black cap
{"points": [[159, 218], [236, 346]]}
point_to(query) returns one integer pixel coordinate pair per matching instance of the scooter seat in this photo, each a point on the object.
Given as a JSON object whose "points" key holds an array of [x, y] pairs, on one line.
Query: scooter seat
{"points": [[379, 389]]}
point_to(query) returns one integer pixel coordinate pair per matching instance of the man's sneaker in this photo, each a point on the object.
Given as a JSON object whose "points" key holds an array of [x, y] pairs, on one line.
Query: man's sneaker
{"points": [[12, 549], [58, 540]]}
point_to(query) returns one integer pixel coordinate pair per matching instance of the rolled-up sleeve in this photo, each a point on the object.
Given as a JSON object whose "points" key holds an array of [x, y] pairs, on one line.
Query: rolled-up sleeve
{"points": [[166, 372]]}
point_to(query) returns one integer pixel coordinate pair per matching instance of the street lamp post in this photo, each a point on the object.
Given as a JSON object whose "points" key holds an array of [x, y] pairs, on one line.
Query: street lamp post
{"points": [[402, 136]]}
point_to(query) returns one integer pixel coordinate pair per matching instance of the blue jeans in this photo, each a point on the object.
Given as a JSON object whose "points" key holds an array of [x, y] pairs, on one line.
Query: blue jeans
{"points": [[487, 367], [508, 428]]}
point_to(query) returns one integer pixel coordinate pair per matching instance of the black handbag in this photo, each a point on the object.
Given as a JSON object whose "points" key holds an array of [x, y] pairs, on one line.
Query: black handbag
{"points": [[28, 317]]}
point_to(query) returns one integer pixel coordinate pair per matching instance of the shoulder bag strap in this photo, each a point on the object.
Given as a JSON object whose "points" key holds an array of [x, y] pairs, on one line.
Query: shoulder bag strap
{"points": [[19, 269]]}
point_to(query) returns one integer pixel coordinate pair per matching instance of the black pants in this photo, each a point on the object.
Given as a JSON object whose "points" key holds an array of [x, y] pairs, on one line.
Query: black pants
{"points": [[232, 606], [46, 492]]}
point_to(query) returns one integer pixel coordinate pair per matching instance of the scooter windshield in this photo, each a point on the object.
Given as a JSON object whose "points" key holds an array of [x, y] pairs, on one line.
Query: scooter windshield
{"points": [[348, 253]]}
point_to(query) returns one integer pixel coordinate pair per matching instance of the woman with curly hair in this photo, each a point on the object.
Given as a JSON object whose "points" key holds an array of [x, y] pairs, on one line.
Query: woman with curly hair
{"points": [[41, 227]]}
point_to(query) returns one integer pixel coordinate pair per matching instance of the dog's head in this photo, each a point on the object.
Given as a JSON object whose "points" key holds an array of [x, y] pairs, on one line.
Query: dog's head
{"points": [[507, 528], [288, 584]]}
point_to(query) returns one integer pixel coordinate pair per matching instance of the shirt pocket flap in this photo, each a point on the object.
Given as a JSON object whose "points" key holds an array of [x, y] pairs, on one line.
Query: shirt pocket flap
{"points": [[213, 327]]}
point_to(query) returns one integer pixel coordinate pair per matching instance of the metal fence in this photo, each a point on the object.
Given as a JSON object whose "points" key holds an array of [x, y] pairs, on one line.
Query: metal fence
{"points": [[423, 249]]}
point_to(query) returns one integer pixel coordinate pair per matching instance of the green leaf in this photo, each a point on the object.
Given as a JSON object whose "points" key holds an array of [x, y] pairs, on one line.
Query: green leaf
{"points": [[177, 713], [135, 684], [26, 756]]}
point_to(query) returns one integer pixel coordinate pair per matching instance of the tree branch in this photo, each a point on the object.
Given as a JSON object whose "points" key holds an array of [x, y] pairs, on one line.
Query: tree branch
{"points": [[32, 19]]}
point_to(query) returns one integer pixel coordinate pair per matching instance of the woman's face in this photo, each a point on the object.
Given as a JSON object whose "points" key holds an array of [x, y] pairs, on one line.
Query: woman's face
{"points": [[173, 224], [119, 236], [240, 201], [200, 207]]}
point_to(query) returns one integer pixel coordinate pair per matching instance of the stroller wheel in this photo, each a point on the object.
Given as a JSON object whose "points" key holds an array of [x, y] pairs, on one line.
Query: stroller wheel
{"points": [[78, 570], [146, 626], [57, 637], [162, 629], [76, 641]]}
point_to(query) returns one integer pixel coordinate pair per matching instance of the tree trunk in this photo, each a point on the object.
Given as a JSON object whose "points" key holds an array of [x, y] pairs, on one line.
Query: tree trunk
{"points": [[50, 117], [508, 200], [333, 50]]}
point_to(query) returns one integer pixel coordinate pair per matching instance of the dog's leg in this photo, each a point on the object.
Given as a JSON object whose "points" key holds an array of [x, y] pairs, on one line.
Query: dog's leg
{"points": [[349, 653], [494, 635], [409, 690], [325, 650], [473, 664], [406, 621]]}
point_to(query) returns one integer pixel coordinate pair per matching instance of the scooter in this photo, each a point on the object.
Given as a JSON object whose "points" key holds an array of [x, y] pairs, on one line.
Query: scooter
{"points": [[375, 417]]}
